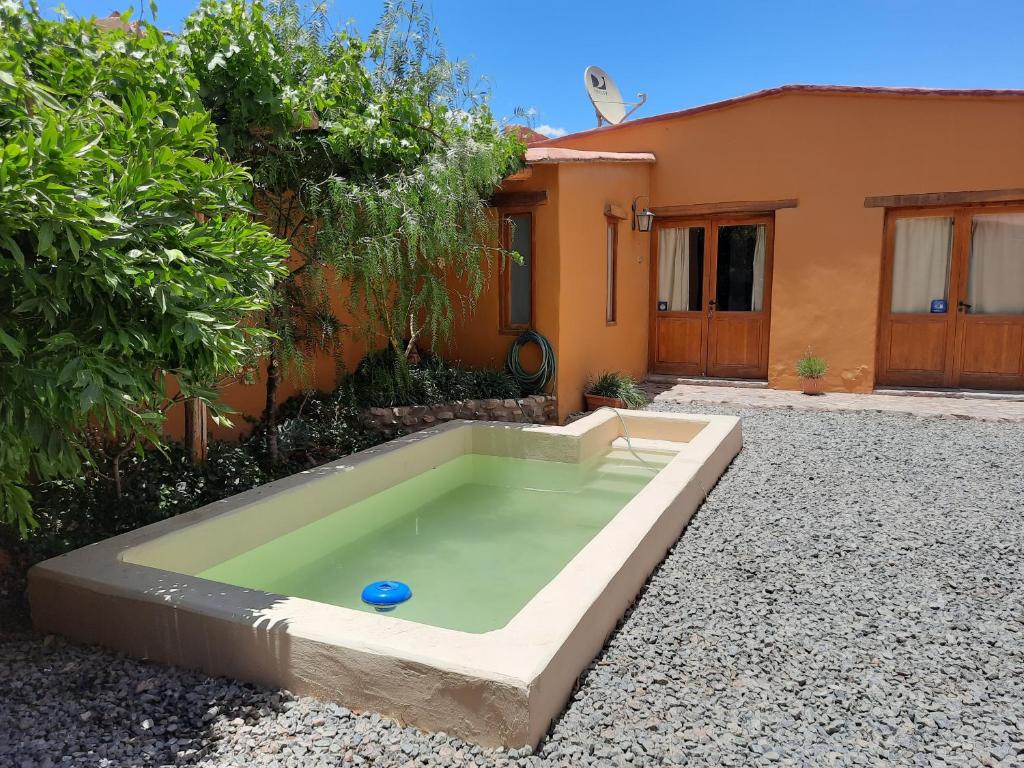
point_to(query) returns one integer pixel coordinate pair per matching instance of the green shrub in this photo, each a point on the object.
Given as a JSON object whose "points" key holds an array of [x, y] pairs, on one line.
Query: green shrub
{"points": [[127, 251], [231, 468], [811, 367], [155, 486], [617, 385], [384, 379], [315, 428], [72, 513], [493, 382]]}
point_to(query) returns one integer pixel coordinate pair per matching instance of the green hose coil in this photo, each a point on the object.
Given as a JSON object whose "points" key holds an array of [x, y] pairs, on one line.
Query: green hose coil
{"points": [[536, 382]]}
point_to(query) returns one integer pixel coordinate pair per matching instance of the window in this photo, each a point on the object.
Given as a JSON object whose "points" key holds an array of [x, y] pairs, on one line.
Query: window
{"points": [[920, 263], [611, 269], [995, 280], [680, 269], [739, 281], [517, 279]]}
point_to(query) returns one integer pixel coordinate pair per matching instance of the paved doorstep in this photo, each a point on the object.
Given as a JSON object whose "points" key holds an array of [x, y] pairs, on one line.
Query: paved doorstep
{"points": [[985, 409]]}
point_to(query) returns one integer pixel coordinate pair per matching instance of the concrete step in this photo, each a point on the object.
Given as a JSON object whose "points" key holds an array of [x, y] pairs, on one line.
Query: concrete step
{"points": [[963, 394], [701, 381]]}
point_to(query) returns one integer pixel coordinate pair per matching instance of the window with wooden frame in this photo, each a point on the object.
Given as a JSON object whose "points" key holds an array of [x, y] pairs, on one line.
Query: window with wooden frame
{"points": [[611, 270], [517, 279]]}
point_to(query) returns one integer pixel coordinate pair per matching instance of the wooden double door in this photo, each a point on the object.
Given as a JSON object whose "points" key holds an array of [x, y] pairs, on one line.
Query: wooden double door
{"points": [[952, 304], [711, 296]]}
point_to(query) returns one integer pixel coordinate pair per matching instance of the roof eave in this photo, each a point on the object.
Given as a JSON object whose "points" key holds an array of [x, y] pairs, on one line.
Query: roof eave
{"points": [[788, 89], [560, 155]]}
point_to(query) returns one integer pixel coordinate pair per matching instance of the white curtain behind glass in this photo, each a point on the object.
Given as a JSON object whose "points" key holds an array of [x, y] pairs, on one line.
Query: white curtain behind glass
{"points": [[920, 269], [674, 268], [996, 280], [757, 287]]}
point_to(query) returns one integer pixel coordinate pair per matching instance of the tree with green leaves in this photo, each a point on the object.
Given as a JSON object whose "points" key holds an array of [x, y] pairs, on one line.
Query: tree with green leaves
{"points": [[128, 254], [406, 237], [373, 158]]}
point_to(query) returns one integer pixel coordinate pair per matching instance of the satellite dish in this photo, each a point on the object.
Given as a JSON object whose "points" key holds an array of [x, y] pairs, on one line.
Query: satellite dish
{"points": [[607, 99]]}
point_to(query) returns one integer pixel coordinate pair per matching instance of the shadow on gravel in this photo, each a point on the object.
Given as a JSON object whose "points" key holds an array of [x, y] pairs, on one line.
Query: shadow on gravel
{"points": [[61, 700]]}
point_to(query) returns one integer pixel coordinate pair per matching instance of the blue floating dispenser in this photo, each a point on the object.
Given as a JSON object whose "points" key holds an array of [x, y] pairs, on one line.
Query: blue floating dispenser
{"points": [[385, 595]]}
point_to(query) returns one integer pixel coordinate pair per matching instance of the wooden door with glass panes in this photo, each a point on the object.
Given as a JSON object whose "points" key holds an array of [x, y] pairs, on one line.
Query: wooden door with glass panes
{"points": [[952, 304], [711, 290]]}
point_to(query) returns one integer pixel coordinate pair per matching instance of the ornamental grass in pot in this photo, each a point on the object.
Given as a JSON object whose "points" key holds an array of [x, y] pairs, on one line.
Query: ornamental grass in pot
{"points": [[615, 390], [811, 369]]}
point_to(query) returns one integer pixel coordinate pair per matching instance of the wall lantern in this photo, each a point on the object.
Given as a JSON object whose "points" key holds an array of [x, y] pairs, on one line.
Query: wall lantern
{"points": [[642, 219]]}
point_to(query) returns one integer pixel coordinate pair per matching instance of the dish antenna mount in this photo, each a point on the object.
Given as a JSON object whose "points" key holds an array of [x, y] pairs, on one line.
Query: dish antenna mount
{"points": [[607, 99]]}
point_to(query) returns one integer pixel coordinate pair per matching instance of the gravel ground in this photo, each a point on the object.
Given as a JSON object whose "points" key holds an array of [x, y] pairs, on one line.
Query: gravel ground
{"points": [[852, 593]]}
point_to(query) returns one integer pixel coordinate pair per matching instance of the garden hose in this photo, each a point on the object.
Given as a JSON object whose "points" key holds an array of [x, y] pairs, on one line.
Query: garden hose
{"points": [[536, 382]]}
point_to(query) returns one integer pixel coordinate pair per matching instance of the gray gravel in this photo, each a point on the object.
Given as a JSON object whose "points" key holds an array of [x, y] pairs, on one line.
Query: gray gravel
{"points": [[852, 593]]}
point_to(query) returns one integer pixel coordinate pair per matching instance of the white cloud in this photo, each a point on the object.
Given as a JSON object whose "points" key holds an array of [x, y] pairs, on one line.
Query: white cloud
{"points": [[550, 131]]}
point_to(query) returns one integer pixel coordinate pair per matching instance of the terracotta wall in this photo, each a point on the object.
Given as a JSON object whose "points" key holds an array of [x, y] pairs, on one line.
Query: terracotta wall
{"points": [[587, 343], [830, 151], [569, 258], [475, 339]]}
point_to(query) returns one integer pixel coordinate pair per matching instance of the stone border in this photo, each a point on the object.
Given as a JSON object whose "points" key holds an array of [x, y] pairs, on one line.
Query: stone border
{"points": [[533, 409]]}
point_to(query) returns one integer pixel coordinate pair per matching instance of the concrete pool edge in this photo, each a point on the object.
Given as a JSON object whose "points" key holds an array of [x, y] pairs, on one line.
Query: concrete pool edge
{"points": [[501, 687]]}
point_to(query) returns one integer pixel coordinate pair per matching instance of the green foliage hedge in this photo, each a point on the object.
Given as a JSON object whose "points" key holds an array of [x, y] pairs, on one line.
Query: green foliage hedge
{"points": [[127, 251], [158, 484], [129, 167], [384, 378], [375, 158]]}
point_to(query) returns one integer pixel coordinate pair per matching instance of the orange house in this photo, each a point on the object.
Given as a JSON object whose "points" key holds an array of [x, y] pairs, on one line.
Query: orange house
{"points": [[881, 228]]}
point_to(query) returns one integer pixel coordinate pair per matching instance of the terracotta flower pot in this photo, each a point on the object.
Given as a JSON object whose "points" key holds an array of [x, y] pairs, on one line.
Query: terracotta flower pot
{"points": [[597, 401], [812, 386]]}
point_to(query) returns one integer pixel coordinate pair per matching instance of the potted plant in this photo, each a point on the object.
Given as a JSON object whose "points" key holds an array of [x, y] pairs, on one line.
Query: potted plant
{"points": [[811, 369], [614, 389]]}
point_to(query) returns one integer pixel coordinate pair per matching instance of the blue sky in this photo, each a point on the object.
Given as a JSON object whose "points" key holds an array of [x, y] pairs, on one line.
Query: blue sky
{"points": [[687, 53]]}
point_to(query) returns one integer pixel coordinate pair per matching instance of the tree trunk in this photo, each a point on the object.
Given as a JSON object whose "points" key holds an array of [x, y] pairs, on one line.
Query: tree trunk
{"points": [[270, 409], [115, 465], [196, 437]]}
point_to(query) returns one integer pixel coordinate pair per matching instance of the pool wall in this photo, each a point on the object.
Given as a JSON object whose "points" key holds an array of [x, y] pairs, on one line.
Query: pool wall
{"points": [[134, 592]]}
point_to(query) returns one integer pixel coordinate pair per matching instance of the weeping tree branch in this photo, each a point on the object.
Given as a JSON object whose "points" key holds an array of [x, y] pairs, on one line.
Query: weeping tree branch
{"points": [[446, 232]]}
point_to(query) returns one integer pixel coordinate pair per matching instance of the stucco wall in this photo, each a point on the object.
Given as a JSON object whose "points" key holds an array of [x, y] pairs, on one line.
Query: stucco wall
{"points": [[587, 344], [569, 258], [829, 150]]}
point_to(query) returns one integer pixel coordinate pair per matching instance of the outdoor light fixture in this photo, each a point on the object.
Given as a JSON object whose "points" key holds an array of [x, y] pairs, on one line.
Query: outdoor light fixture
{"points": [[642, 220]]}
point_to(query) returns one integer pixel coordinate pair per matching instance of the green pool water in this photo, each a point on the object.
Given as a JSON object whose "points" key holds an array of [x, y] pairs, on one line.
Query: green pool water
{"points": [[475, 538]]}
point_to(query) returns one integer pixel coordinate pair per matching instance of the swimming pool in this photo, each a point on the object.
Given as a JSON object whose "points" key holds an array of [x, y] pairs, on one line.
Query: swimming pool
{"points": [[475, 538], [522, 545]]}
